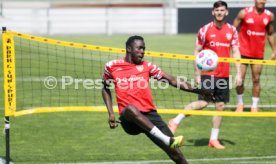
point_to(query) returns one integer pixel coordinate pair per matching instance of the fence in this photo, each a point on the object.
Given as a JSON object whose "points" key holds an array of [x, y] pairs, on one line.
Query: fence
{"points": [[113, 17], [89, 18]]}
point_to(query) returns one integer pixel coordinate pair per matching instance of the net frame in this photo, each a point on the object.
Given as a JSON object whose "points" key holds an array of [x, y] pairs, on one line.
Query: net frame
{"points": [[10, 76]]}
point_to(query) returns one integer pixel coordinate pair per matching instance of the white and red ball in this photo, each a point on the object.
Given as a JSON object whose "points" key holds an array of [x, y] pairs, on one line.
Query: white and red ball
{"points": [[207, 60]]}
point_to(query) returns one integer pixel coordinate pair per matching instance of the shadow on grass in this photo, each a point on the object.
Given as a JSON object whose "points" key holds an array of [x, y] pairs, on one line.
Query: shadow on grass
{"points": [[205, 141], [248, 109]]}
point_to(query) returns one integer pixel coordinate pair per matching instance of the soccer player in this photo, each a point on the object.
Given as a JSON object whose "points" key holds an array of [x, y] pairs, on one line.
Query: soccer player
{"points": [[255, 23], [137, 113], [220, 37]]}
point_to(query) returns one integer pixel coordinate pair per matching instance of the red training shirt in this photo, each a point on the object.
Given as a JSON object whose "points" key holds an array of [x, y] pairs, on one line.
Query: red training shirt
{"points": [[220, 41], [253, 33], [132, 83]]}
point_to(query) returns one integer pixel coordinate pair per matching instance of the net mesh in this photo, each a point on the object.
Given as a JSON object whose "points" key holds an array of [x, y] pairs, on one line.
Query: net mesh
{"points": [[42, 69], [55, 74]]}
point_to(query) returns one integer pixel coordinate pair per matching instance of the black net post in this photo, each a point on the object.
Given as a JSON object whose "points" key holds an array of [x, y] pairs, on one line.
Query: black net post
{"points": [[7, 139]]}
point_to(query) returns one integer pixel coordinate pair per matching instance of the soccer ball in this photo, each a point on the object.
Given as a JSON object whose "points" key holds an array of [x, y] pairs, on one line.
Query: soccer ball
{"points": [[206, 60]]}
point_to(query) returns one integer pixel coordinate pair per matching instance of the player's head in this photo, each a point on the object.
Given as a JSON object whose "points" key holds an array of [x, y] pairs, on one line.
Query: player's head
{"points": [[220, 10], [260, 4], [135, 49]]}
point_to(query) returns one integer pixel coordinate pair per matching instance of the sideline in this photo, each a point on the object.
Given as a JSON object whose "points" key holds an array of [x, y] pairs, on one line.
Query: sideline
{"points": [[189, 160]]}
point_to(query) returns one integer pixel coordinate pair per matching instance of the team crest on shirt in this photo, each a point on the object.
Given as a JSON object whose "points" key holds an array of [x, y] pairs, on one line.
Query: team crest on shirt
{"points": [[229, 36], [265, 20], [140, 68]]}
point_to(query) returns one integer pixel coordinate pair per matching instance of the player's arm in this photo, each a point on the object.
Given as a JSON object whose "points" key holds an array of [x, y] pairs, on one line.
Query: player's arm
{"points": [[238, 20], [183, 85], [177, 82], [270, 37], [106, 94], [236, 54]]}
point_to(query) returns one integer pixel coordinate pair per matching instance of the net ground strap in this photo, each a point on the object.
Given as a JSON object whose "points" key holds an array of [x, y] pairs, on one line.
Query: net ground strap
{"points": [[122, 51], [161, 111]]}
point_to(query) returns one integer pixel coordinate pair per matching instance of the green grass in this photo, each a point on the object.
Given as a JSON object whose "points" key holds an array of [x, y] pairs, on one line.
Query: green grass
{"points": [[86, 137]]}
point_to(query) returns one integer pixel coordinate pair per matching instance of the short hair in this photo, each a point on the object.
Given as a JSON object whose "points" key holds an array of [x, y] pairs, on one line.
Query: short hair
{"points": [[219, 4], [131, 39]]}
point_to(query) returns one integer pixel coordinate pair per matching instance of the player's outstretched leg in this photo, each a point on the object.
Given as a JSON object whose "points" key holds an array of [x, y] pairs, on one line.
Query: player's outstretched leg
{"points": [[177, 142], [174, 153]]}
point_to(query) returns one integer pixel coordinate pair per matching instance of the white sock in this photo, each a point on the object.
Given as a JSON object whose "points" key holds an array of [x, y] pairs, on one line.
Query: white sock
{"points": [[158, 134], [214, 134], [240, 99], [179, 118], [255, 101]]}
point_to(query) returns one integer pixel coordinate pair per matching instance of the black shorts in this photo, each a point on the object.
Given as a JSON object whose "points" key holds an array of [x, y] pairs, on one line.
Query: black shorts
{"points": [[132, 128], [216, 85], [247, 57]]}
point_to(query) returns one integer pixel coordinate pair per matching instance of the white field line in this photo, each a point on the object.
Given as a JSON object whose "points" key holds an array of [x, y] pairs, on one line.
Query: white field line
{"points": [[241, 160], [232, 159], [254, 162]]}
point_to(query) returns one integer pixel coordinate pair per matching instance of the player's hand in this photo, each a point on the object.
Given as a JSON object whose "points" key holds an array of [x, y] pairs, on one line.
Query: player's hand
{"points": [[273, 56], [238, 80], [113, 123]]}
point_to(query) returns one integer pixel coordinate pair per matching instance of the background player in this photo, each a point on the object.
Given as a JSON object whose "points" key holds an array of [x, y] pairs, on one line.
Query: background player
{"points": [[220, 37], [254, 22]]}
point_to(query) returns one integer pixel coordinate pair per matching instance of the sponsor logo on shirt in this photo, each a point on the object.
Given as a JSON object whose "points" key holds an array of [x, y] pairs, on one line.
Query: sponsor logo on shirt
{"points": [[213, 35], [250, 21], [132, 78], [119, 69], [219, 44], [255, 33]]}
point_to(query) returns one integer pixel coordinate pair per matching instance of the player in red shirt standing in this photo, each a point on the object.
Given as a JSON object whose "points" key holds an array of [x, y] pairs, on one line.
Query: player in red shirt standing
{"points": [[255, 23], [220, 37], [137, 113]]}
